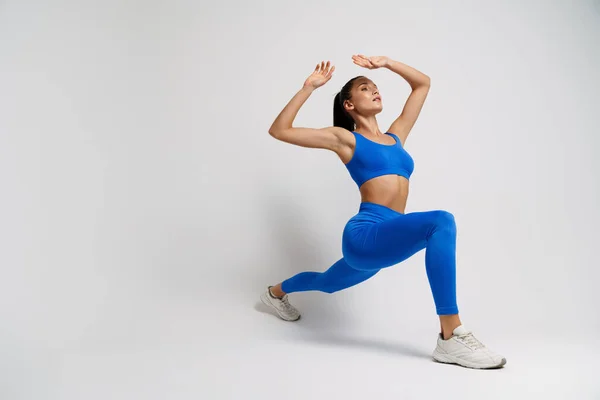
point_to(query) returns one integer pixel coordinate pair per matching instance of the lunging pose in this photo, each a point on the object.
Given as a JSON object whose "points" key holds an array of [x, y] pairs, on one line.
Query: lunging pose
{"points": [[381, 234]]}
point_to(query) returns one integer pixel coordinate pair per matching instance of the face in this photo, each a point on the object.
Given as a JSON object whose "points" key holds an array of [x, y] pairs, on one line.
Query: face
{"points": [[366, 99]]}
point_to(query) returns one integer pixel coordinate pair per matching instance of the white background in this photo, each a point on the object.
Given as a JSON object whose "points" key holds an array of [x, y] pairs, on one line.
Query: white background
{"points": [[144, 207]]}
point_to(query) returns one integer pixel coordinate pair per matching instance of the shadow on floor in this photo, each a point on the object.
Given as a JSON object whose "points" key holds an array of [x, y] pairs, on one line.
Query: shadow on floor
{"points": [[334, 339]]}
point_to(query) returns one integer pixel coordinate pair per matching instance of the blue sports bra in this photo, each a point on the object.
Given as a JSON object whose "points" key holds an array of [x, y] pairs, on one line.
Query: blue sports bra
{"points": [[372, 159]]}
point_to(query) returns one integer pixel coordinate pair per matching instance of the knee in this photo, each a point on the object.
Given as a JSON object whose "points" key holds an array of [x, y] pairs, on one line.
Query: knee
{"points": [[445, 220], [326, 283], [330, 290]]}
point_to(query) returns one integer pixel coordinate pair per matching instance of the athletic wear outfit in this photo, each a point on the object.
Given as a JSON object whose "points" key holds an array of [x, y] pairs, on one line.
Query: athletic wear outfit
{"points": [[378, 237]]}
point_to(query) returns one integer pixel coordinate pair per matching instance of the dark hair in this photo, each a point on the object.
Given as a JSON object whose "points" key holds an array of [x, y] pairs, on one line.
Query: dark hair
{"points": [[341, 117]]}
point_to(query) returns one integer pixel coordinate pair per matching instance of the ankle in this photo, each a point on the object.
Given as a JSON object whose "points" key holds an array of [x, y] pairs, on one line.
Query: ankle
{"points": [[448, 323], [276, 291]]}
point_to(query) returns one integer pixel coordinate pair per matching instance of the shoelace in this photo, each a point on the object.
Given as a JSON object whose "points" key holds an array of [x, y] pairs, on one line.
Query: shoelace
{"points": [[470, 341], [286, 304]]}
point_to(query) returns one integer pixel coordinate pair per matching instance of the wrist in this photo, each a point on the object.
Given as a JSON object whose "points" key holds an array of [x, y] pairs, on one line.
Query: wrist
{"points": [[388, 63], [307, 88]]}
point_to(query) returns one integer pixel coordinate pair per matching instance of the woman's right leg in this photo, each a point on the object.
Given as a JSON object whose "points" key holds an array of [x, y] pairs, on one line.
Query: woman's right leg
{"points": [[378, 237], [338, 277]]}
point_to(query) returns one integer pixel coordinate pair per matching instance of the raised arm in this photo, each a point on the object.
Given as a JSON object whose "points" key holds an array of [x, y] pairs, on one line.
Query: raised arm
{"points": [[419, 82], [283, 129]]}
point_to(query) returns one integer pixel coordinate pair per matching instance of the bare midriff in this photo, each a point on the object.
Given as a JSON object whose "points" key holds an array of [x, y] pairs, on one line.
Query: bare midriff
{"points": [[388, 190]]}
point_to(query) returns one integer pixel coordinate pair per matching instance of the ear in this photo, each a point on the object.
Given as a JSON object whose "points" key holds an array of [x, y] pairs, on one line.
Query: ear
{"points": [[348, 105]]}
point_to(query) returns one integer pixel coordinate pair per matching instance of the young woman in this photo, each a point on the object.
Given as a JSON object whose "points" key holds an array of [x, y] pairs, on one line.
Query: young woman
{"points": [[380, 235]]}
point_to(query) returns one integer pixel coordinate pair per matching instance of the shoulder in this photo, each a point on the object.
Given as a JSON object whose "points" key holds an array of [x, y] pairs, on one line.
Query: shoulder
{"points": [[396, 138], [400, 138], [344, 135], [345, 142]]}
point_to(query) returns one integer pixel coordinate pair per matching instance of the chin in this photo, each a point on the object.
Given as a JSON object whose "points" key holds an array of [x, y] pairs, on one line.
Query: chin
{"points": [[371, 110]]}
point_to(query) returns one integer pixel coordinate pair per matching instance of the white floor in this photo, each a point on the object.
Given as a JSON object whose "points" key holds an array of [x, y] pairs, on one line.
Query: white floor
{"points": [[362, 363], [186, 345]]}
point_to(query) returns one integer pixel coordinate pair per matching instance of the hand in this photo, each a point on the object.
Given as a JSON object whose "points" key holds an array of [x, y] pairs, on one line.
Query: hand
{"points": [[320, 76], [370, 62]]}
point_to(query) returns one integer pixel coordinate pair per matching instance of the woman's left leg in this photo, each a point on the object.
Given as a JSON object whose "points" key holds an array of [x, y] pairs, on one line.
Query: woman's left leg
{"points": [[398, 237]]}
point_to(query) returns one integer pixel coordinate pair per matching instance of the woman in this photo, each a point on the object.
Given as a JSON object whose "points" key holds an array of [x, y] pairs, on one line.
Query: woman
{"points": [[380, 234]]}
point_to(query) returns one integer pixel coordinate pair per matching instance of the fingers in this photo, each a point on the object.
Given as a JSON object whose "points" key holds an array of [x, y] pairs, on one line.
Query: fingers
{"points": [[362, 61], [329, 74], [323, 72], [324, 68]]}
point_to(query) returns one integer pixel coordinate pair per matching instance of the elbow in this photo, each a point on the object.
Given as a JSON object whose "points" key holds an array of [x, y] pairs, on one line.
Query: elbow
{"points": [[273, 132], [276, 131], [426, 81], [423, 85]]}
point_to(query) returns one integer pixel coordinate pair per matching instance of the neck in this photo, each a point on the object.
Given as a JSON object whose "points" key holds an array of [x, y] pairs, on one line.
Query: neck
{"points": [[367, 126]]}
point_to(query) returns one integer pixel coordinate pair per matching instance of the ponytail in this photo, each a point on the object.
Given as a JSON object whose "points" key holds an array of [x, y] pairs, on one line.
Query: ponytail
{"points": [[341, 118]]}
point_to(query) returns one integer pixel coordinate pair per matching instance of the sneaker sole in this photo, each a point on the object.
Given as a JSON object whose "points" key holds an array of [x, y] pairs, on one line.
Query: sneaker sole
{"points": [[265, 300], [445, 358]]}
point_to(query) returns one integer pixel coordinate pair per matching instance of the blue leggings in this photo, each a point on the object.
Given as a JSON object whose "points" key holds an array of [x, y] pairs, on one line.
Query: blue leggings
{"points": [[378, 237]]}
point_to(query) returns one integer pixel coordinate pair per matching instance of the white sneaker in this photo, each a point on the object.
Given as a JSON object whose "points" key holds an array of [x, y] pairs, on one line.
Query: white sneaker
{"points": [[281, 306], [463, 349]]}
